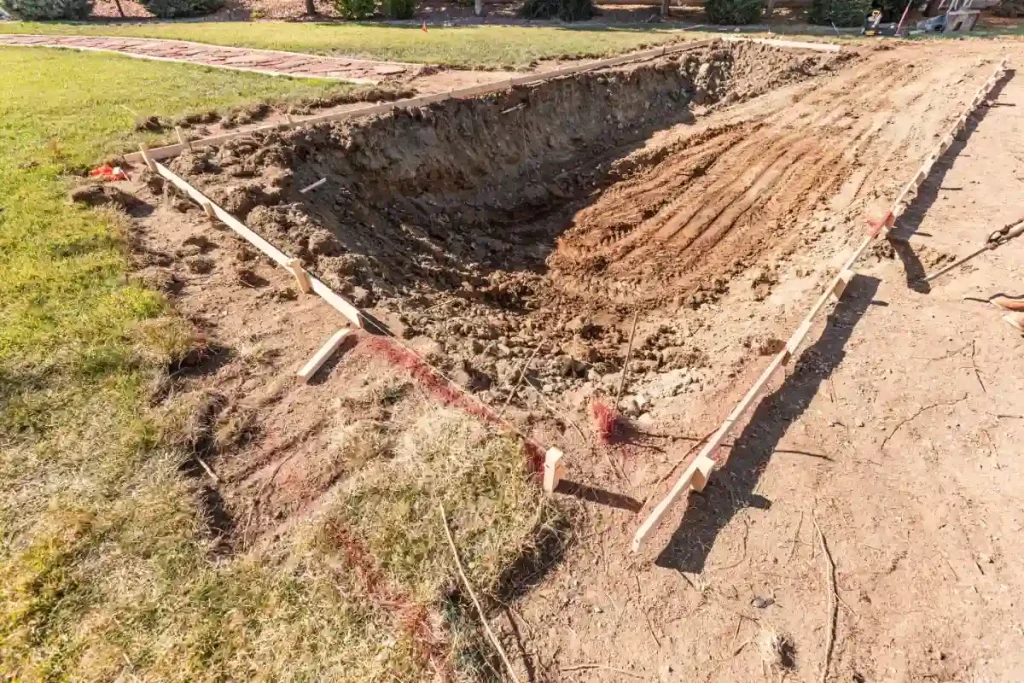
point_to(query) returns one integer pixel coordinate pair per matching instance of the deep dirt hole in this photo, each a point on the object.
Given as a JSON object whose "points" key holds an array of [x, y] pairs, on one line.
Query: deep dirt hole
{"points": [[520, 218]]}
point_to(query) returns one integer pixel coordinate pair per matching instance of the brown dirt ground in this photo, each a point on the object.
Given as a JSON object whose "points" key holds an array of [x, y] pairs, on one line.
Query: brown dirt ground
{"points": [[717, 215]]}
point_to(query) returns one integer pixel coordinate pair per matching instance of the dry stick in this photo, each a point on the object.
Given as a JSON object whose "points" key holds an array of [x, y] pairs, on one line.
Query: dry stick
{"points": [[554, 412], [582, 667], [625, 366], [472, 596], [914, 416], [833, 609], [977, 373], [522, 371], [202, 463], [796, 539]]}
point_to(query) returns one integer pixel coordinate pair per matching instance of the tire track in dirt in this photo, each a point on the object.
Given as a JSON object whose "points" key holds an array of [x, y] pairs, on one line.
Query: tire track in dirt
{"points": [[727, 192]]}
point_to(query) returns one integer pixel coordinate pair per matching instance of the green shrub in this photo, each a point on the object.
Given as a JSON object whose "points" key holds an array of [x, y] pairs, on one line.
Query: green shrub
{"points": [[168, 9], [48, 9], [399, 9], [566, 10], [839, 12], [355, 9], [733, 11]]}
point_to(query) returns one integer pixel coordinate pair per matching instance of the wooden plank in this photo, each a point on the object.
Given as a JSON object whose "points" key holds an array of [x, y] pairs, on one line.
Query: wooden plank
{"points": [[146, 158], [797, 44], [554, 470], [337, 302], [325, 352]]}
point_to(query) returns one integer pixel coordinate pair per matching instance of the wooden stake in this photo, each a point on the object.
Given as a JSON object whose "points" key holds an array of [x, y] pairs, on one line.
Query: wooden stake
{"points": [[325, 352], [210, 213], [301, 276], [554, 470], [144, 151], [842, 282], [312, 186], [182, 140], [625, 365]]}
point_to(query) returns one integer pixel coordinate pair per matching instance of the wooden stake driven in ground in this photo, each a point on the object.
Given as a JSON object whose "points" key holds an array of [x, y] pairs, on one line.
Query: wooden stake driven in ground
{"points": [[554, 470]]}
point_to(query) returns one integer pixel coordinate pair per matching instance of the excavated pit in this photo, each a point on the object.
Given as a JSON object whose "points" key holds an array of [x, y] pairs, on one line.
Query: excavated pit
{"points": [[542, 215]]}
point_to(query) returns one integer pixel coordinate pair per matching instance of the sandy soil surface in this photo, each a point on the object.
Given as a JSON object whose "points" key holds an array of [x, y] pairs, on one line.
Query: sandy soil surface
{"points": [[712, 197], [891, 443]]}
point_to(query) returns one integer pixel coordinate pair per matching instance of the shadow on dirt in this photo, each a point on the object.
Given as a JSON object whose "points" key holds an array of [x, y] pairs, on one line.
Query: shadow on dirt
{"points": [[733, 487], [909, 224]]}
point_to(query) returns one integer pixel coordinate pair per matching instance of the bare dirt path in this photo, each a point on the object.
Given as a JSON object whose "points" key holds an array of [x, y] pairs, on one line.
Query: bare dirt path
{"points": [[272, 62]]}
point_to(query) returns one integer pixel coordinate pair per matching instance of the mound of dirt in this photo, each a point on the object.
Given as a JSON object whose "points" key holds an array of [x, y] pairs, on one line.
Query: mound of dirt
{"points": [[455, 210]]}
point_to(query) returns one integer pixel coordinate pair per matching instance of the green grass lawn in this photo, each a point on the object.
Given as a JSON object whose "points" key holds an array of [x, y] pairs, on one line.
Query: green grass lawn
{"points": [[106, 570], [101, 548], [468, 46]]}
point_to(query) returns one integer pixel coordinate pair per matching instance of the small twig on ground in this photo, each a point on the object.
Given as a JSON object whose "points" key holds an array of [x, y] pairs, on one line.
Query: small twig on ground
{"points": [[796, 538], [950, 354], [202, 463], [522, 371], [472, 596], [833, 607], [915, 415], [602, 667], [977, 373], [625, 365]]}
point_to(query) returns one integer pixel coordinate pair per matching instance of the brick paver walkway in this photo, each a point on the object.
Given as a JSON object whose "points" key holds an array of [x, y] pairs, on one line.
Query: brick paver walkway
{"points": [[238, 58]]}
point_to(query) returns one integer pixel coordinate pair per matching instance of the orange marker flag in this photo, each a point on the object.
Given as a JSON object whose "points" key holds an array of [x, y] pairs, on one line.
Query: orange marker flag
{"points": [[424, 25]]}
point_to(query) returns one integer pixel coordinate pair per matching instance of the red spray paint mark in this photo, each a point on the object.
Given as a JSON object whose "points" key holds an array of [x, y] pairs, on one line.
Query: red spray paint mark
{"points": [[606, 420]]}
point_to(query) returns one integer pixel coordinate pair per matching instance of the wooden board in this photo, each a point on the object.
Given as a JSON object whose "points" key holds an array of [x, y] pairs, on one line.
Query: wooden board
{"points": [[321, 356], [795, 44]]}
